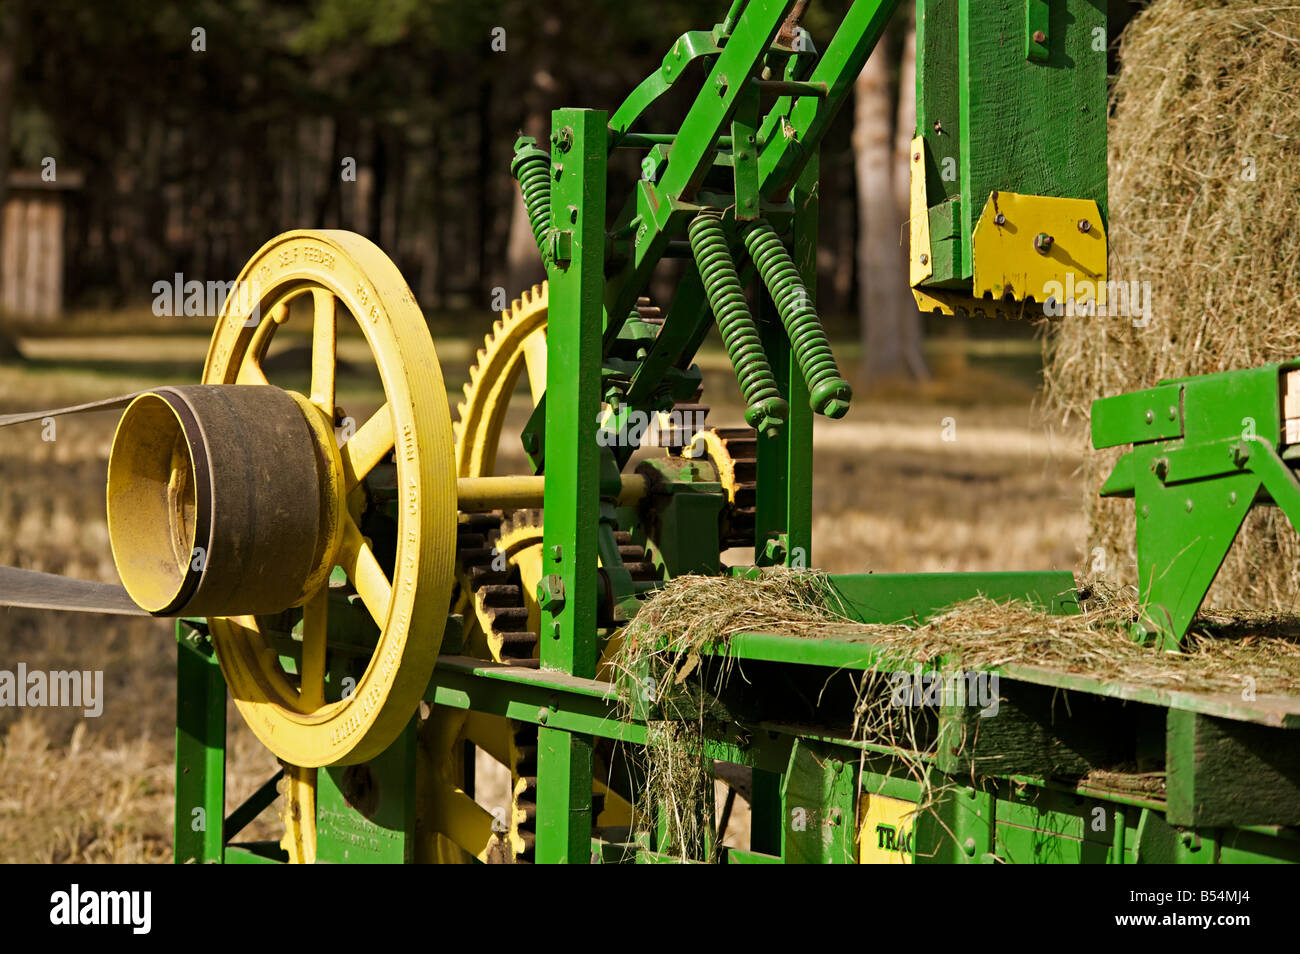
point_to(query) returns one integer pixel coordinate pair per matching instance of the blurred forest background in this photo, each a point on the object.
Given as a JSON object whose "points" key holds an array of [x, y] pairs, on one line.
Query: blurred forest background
{"points": [[187, 132]]}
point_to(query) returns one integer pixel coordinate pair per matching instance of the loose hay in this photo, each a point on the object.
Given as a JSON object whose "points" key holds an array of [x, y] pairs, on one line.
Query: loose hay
{"points": [[665, 644], [1203, 188]]}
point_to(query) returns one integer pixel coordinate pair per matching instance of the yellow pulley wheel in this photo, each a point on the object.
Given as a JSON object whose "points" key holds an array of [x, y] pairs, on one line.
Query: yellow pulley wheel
{"points": [[327, 275]]}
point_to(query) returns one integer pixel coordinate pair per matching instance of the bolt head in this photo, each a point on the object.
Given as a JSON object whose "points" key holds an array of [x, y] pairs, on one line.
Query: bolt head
{"points": [[925, 259], [1040, 37], [1085, 226], [1043, 243], [999, 219]]}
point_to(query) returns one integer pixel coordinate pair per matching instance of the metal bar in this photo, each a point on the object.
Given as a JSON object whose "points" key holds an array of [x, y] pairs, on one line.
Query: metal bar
{"points": [[711, 111], [200, 749], [646, 140], [783, 521], [238, 820], [563, 797], [484, 494], [791, 88], [656, 203], [789, 142], [572, 492]]}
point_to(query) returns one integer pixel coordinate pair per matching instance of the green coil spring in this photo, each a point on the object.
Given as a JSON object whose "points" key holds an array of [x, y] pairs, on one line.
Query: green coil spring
{"points": [[532, 169], [766, 410], [828, 393]]}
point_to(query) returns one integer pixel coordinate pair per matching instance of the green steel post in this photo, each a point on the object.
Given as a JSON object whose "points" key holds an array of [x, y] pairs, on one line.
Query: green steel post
{"points": [[959, 830], [820, 798], [783, 523], [563, 797], [200, 749], [572, 497]]}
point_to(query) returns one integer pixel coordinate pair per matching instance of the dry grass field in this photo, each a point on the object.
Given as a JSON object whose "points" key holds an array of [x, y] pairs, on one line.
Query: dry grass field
{"points": [[961, 474]]}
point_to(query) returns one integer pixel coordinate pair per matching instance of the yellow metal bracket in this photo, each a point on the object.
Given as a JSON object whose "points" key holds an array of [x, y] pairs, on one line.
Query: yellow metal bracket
{"points": [[1033, 247], [920, 261]]}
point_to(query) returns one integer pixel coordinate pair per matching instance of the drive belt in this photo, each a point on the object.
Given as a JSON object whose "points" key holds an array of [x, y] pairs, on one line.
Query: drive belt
{"points": [[32, 589]]}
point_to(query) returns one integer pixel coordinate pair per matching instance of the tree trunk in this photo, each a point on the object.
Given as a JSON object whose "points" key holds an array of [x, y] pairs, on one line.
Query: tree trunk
{"points": [[8, 43], [885, 308]]}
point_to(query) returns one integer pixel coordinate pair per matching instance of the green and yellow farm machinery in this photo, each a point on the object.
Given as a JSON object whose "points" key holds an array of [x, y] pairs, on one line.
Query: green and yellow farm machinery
{"points": [[387, 610]]}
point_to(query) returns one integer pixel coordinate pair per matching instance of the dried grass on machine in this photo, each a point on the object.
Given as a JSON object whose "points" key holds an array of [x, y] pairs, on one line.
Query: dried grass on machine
{"points": [[1203, 187], [694, 617]]}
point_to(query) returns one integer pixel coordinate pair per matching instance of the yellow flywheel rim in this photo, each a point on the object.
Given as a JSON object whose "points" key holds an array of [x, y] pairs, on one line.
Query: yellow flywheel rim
{"points": [[345, 273]]}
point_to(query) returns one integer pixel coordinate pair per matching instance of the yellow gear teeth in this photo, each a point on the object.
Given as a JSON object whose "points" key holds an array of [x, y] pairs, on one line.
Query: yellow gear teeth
{"points": [[497, 367], [483, 598]]}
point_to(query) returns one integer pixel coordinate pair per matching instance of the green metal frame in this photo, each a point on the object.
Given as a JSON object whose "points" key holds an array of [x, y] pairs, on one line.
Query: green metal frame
{"points": [[1205, 450], [1230, 795]]}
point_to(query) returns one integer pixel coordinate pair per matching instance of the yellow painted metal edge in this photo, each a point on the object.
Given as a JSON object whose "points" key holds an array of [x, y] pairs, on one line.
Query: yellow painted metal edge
{"points": [[1039, 247], [920, 262]]}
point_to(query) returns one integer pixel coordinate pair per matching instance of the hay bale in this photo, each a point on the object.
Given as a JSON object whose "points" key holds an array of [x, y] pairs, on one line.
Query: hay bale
{"points": [[1203, 188]]}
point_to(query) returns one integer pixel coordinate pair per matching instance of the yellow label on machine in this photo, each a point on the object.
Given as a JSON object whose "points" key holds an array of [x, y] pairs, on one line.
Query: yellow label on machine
{"points": [[885, 830]]}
